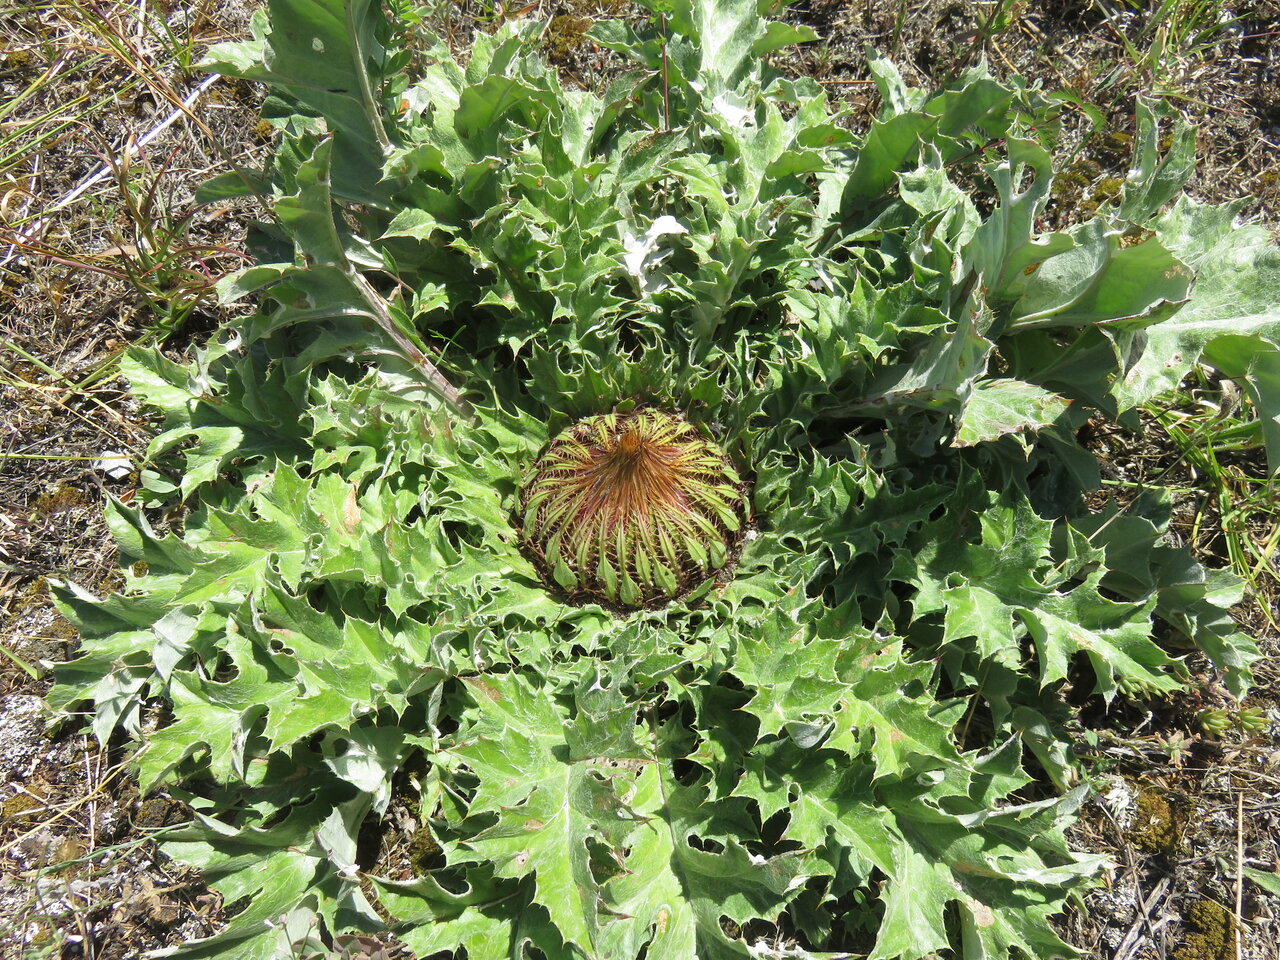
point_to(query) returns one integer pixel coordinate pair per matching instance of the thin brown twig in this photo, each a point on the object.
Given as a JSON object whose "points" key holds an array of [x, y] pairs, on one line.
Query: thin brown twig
{"points": [[50, 389]]}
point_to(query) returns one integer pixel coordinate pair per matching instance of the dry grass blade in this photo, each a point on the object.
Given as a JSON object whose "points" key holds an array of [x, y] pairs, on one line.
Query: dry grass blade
{"points": [[24, 236]]}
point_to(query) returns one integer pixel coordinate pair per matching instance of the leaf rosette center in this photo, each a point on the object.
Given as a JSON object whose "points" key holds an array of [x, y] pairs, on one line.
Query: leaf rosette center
{"points": [[633, 508]]}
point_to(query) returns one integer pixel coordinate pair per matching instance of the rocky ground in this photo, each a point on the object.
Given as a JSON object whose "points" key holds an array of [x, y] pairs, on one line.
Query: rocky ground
{"points": [[88, 266]]}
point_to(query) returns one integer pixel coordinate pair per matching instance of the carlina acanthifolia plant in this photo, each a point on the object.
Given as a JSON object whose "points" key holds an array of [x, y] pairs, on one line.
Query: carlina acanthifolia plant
{"points": [[649, 522]]}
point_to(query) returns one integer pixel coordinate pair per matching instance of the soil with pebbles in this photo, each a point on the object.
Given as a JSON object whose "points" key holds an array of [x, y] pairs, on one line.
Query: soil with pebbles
{"points": [[79, 873]]}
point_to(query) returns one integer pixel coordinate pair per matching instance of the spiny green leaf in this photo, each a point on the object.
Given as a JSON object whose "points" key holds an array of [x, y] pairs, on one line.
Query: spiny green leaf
{"points": [[1254, 363], [673, 894], [1237, 290], [794, 680], [548, 805], [999, 407], [487, 917], [320, 51]]}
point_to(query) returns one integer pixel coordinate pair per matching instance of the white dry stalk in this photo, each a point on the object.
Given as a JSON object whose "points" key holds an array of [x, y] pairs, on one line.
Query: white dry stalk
{"points": [[32, 181], [37, 229], [89, 779]]}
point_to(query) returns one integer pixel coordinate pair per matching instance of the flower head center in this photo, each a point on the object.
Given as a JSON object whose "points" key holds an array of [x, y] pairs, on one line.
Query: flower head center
{"points": [[630, 443]]}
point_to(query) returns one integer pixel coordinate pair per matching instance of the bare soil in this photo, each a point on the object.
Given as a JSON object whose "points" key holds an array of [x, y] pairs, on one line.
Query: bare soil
{"points": [[1178, 811]]}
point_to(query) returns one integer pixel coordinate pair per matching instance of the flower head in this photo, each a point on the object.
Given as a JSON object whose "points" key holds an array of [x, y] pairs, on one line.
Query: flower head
{"points": [[632, 507]]}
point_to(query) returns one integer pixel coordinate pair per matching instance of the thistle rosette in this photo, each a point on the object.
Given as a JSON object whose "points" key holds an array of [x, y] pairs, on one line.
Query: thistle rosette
{"points": [[345, 599], [634, 507]]}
